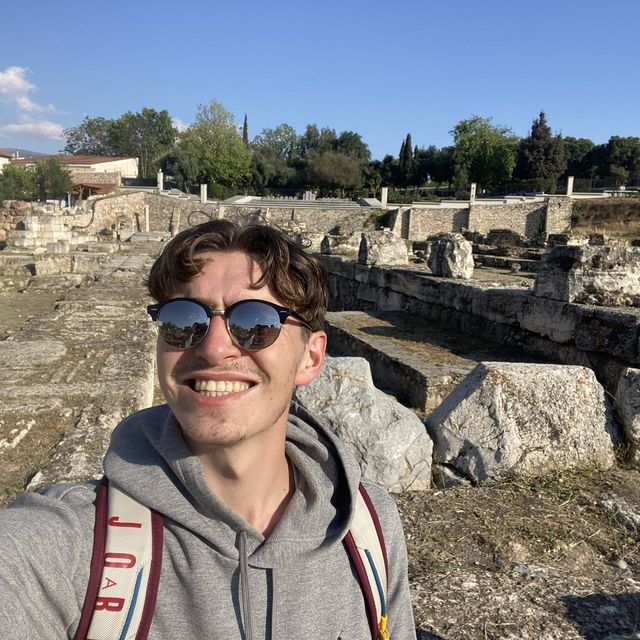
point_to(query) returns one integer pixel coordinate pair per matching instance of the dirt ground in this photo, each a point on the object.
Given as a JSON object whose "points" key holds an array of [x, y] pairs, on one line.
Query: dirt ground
{"points": [[543, 559], [539, 559]]}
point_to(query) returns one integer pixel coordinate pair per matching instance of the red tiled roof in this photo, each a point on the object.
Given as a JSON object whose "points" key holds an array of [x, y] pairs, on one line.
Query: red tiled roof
{"points": [[5, 154], [70, 159]]}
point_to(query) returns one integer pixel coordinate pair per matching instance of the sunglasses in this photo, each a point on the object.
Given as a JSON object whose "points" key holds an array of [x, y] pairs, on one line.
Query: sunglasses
{"points": [[183, 323]]}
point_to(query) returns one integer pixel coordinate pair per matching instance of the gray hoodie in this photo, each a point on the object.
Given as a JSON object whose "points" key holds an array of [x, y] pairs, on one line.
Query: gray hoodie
{"points": [[298, 583]]}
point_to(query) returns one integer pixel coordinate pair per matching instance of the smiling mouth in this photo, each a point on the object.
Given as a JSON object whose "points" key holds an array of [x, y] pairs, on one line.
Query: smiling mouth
{"points": [[216, 388]]}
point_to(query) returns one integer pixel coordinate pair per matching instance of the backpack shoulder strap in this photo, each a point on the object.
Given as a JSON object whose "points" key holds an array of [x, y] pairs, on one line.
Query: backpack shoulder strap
{"points": [[365, 544], [125, 568]]}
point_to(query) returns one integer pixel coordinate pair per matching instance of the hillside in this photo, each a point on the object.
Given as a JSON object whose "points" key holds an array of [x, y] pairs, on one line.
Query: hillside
{"points": [[615, 217]]}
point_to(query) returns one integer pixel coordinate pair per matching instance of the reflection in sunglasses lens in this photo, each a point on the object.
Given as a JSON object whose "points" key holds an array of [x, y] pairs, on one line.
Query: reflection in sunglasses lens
{"points": [[183, 324], [254, 325]]}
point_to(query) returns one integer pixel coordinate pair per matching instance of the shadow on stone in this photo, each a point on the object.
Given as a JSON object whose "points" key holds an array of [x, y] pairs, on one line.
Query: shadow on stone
{"points": [[604, 615]]}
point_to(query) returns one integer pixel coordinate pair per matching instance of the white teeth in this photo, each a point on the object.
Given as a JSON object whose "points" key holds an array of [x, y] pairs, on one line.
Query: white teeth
{"points": [[217, 388]]}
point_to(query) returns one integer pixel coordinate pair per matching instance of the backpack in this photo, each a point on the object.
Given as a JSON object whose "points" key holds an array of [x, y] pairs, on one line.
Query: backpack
{"points": [[127, 556]]}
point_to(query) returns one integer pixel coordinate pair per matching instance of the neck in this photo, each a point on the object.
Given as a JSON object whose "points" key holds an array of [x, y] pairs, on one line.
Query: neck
{"points": [[255, 483]]}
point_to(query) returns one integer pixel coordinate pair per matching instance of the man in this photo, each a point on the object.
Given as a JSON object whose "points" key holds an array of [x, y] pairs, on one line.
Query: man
{"points": [[256, 497]]}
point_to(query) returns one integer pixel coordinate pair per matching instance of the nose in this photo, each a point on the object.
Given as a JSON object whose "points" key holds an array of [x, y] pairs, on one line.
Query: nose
{"points": [[217, 345]]}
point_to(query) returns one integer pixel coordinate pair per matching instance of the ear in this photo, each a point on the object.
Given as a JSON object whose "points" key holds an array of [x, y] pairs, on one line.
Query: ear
{"points": [[312, 358]]}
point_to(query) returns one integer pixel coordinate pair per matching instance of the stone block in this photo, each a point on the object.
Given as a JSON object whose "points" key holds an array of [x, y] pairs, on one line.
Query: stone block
{"points": [[449, 255], [607, 275], [628, 406], [346, 245], [524, 419], [382, 248], [389, 440]]}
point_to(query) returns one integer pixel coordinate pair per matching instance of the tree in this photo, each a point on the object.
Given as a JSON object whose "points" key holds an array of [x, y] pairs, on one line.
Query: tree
{"points": [[483, 153], [623, 158], [18, 183], [423, 160], [315, 141], [282, 140], [53, 180], [405, 161], [245, 131], [577, 152], [147, 135], [182, 164], [442, 166], [332, 170], [92, 137], [211, 150], [270, 170], [351, 144], [541, 155]]}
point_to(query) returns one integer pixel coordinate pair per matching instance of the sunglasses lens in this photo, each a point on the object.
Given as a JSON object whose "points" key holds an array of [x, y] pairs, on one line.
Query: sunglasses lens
{"points": [[182, 324], [254, 325]]}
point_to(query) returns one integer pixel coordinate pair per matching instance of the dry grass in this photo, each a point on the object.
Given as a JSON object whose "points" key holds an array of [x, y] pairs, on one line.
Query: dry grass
{"points": [[521, 558]]}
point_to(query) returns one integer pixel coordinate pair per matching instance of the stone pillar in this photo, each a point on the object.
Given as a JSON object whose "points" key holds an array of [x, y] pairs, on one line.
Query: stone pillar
{"points": [[203, 194], [160, 179], [472, 192], [146, 218], [570, 185], [384, 196]]}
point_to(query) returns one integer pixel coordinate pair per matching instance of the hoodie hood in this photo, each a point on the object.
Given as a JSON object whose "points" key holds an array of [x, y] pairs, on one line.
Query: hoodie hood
{"points": [[168, 478]]}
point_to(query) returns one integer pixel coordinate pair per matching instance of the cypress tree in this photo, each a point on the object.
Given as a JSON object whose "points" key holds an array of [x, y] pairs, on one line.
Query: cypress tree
{"points": [[245, 131], [541, 154]]}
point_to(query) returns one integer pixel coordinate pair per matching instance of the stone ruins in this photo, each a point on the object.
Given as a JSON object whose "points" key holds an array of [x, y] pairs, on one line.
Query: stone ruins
{"points": [[511, 350]]}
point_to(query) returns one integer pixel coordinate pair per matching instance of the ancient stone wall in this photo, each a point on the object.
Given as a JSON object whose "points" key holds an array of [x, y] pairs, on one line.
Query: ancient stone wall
{"points": [[11, 214], [420, 223], [601, 338], [528, 219], [559, 211], [168, 213], [525, 218]]}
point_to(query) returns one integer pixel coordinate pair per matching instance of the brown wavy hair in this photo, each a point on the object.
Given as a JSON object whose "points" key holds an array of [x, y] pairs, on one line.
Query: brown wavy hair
{"points": [[294, 277]]}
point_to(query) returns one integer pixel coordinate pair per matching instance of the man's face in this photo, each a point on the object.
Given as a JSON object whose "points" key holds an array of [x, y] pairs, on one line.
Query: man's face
{"points": [[260, 383]]}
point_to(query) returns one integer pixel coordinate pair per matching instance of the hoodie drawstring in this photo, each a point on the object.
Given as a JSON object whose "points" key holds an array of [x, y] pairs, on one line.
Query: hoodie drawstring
{"points": [[244, 586]]}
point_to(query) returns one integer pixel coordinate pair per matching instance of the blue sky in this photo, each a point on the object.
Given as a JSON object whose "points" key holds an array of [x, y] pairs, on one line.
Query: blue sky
{"points": [[382, 69]]}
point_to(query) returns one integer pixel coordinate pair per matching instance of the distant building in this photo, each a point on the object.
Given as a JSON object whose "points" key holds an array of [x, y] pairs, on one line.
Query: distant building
{"points": [[91, 175], [5, 158]]}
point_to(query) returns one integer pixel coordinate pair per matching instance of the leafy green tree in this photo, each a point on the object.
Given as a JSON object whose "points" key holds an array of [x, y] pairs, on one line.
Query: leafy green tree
{"points": [[351, 144], [270, 171], [147, 135], [483, 153], [623, 158], [390, 171], [92, 137], [541, 155], [315, 141], [282, 140], [578, 154], [442, 165], [182, 165], [372, 177], [336, 171], [422, 162], [18, 183], [214, 150], [53, 180]]}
